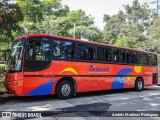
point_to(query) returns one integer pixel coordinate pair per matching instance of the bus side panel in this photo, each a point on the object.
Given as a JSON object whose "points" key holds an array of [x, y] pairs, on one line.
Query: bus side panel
{"points": [[104, 82], [14, 83], [129, 81], [84, 81], [87, 76], [105, 76], [37, 85], [95, 78], [93, 83], [147, 80]]}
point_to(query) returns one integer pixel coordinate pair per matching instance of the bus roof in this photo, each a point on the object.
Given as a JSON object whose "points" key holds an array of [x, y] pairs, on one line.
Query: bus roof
{"points": [[78, 40]]}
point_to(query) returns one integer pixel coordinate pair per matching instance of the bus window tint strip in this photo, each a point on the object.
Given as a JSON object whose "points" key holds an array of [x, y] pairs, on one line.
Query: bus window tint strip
{"points": [[65, 50]]}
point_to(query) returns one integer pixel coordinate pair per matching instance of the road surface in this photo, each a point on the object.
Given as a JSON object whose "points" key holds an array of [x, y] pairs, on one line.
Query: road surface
{"points": [[90, 103]]}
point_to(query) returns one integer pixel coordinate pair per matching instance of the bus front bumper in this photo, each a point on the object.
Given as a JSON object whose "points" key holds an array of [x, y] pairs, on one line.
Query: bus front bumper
{"points": [[15, 87]]}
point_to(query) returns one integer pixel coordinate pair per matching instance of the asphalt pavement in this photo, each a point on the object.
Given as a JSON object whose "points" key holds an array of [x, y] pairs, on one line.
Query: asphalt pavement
{"points": [[92, 105]]}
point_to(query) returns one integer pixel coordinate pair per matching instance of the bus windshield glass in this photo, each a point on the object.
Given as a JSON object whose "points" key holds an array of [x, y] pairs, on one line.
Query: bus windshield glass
{"points": [[14, 62]]}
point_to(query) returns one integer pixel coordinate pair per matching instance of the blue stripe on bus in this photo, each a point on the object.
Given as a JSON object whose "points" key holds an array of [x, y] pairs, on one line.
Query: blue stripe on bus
{"points": [[44, 89], [118, 82]]}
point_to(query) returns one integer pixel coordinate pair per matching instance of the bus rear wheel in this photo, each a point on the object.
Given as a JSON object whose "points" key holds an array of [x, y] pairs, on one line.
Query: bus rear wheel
{"points": [[65, 89], [139, 84]]}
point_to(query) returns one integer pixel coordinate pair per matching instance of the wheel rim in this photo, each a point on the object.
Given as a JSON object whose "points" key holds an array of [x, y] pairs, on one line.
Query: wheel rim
{"points": [[66, 89], [140, 84]]}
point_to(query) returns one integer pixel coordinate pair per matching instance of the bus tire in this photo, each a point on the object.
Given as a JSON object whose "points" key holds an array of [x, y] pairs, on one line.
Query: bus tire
{"points": [[65, 89], [139, 84]]}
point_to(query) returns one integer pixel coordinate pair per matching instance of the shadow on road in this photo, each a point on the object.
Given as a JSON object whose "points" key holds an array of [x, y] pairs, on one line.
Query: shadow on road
{"points": [[85, 110], [79, 95]]}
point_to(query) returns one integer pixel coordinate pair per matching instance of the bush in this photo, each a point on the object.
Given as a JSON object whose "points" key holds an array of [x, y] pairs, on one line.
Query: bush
{"points": [[2, 67]]}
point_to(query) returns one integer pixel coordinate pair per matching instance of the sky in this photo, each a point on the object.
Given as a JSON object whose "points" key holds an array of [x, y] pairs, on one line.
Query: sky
{"points": [[97, 8]]}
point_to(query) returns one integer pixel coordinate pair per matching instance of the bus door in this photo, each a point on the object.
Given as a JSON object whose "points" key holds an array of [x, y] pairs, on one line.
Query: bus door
{"points": [[36, 67]]}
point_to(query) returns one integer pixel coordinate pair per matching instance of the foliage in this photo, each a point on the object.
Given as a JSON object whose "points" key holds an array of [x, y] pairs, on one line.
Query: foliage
{"points": [[114, 28], [153, 43], [121, 42], [34, 10], [49, 16], [2, 46], [2, 67], [134, 27], [10, 15], [83, 25]]}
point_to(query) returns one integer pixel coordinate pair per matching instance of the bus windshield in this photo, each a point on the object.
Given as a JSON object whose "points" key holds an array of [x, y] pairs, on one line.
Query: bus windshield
{"points": [[14, 62]]}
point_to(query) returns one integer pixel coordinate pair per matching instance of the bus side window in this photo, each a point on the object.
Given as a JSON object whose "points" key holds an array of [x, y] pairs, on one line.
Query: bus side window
{"points": [[145, 59], [116, 58], [82, 52], [42, 51], [130, 57], [56, 49], [30, 51], [135, 58], [119, 56], [38, 55], [67, 50], [100, 54], [63, 50], [86, 52], [142, 58], [108, 55], [70, 53], [152, 59], [123, 56], [91, 52]]}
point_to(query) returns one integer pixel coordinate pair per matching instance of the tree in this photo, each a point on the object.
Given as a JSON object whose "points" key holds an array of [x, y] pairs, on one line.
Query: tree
{"points": [[115, 28], [130, 26], [49, 16], [36, 12], [82, 25], [153, 43], [10, 16]]}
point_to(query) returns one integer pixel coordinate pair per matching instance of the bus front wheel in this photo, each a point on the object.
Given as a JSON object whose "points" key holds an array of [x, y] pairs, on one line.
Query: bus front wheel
{"points": [[65, 89], [139, 84]]}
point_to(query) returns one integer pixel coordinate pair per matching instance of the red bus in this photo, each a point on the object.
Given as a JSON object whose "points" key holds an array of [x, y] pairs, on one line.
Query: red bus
{"points": [[42, 64]]}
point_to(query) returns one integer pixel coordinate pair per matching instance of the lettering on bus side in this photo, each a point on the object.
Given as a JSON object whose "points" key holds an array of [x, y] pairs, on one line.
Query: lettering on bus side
{"points": [[98, 69]]}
